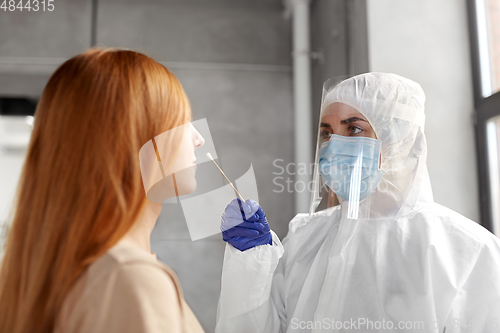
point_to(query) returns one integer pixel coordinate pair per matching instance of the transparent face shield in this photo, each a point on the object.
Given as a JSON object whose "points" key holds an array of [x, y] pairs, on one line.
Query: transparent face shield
{"points": [[177, 168], [347, 157]]}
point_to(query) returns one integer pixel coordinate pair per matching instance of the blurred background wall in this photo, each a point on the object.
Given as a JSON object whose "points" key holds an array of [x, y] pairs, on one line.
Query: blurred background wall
{"points": [[234, 60]]}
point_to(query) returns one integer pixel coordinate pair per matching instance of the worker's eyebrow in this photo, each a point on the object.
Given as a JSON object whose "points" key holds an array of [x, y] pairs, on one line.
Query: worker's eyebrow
{"points": [[325, 125], [351, 120]]}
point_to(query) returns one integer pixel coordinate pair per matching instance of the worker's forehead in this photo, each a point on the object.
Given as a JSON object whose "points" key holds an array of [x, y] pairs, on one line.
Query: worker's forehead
{"points": [[340, 111]]}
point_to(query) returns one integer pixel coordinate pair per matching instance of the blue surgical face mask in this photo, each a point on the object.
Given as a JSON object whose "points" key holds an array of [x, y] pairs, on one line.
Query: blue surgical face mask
{"points": [[349, 166]]}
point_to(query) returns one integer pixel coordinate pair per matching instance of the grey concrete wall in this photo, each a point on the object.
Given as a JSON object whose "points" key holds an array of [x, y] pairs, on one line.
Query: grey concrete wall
{"points": [[233, 59], [427, 41], [63, 32]]}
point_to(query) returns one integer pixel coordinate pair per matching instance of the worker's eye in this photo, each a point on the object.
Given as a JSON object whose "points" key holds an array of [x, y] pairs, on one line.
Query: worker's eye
{"points": [[325, 135], [355, 130]]}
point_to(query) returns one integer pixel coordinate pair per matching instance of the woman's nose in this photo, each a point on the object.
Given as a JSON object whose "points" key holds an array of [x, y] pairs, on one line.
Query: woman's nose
{"points": [[198, 139]]}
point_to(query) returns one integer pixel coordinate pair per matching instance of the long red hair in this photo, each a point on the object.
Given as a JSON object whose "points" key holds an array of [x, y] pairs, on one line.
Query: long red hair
{"points": [[80, 189]]}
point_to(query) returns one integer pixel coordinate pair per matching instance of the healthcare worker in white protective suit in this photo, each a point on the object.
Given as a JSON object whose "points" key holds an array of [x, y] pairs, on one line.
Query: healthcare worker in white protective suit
{"points": [[387, 259]]}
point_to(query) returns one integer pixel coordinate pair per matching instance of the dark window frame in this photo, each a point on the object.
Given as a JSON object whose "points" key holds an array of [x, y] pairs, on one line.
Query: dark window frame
{"points": [[485, 109]]}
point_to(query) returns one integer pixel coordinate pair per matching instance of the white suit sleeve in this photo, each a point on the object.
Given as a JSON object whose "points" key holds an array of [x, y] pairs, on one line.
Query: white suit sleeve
{"points": [[251, 298]]}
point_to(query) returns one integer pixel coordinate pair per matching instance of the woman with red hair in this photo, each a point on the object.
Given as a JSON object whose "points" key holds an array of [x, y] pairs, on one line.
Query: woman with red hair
{"points": [[78, 257]]}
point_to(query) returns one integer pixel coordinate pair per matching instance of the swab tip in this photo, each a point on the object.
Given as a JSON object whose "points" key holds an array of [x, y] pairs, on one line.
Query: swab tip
{"points": [[210, 156]]}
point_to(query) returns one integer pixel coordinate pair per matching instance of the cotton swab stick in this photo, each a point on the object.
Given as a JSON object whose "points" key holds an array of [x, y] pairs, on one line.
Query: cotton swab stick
{"points": [[218, 167]]}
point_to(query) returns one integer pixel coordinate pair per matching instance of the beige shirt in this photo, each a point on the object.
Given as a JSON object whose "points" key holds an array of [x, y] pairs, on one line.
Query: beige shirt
{"points": [[126, 290]]}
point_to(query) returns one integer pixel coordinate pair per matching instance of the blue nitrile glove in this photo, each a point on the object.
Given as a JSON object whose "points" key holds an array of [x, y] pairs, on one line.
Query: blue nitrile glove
{"points": [[244, 225]]}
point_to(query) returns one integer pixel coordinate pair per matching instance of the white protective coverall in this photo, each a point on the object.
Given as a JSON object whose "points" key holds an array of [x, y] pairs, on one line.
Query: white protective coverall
{"points": [[407, 264]]}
